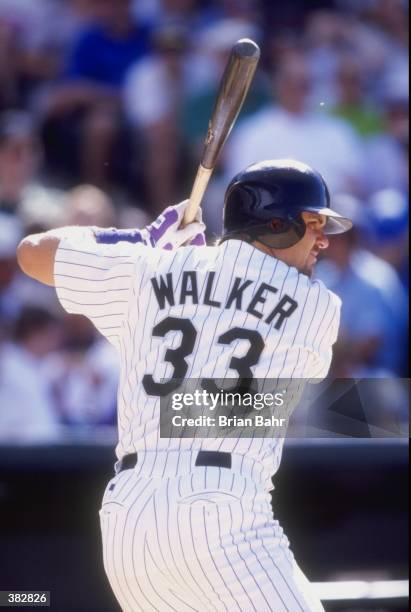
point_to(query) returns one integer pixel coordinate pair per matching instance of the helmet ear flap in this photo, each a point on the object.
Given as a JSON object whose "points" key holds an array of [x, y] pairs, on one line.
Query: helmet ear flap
{"points": [[282, 233]]}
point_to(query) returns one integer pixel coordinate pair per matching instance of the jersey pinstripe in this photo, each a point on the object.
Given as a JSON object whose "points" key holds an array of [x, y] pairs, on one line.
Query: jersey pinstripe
{"points": [[213, 288]]}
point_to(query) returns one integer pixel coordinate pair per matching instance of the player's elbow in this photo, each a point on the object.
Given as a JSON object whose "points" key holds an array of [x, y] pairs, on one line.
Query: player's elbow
{"points": [[35, 257], [24, 250]]}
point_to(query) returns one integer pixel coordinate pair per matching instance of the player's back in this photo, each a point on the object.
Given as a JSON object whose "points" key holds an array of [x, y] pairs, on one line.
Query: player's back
{"points": [[212, 304], [229, 311]]}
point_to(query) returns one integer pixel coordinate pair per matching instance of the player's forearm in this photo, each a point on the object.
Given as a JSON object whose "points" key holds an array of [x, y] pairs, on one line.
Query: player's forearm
{"points": [[36, 253]]}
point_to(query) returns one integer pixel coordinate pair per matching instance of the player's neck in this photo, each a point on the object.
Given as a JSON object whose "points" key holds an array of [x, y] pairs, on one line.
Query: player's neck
{"points": [[287, 256], [277, 253]]}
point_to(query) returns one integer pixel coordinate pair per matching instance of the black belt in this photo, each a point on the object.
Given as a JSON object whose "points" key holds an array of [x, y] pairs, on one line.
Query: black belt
{"points": [[204, 458]]}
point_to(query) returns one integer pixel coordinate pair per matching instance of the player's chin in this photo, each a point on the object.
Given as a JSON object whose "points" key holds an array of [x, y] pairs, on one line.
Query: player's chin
{"points": [[309, 267]]}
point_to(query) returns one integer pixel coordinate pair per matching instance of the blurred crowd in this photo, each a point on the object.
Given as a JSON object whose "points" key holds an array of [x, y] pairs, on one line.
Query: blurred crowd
{"points": [[104, 106]]}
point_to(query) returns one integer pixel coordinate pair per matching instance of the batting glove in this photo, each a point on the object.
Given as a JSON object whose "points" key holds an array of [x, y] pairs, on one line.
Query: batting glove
{"points": [[164, 232]]}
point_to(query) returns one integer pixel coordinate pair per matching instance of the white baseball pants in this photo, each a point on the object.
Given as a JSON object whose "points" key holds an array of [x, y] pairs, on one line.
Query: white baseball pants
{"points": [[200, 540]]}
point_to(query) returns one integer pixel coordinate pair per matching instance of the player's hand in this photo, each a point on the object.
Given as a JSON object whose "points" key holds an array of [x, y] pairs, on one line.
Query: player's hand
{"points": [[165, 232], [199, 239]]}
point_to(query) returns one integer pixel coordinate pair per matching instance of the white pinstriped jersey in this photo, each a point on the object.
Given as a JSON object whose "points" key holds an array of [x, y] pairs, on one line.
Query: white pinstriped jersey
{"points": [[127, 290]]}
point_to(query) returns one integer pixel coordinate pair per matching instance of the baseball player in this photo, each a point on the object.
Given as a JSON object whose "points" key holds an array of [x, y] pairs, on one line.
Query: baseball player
{"points": [[187, 523]]}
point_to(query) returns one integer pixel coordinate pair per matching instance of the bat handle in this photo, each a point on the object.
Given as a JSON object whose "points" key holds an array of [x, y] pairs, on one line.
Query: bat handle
{"points": [[200, 184]]}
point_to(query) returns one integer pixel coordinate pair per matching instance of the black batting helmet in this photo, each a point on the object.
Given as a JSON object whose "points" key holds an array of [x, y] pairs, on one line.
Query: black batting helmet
{"points": [[264, 202]]}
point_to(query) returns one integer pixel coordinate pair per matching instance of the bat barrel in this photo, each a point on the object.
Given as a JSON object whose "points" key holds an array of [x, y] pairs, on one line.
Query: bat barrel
{"points": [[234, 85], [233, 88]]}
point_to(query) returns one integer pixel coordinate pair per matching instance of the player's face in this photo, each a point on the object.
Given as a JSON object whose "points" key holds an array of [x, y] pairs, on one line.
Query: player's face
{"points": [[303, 255], [313, 241]]}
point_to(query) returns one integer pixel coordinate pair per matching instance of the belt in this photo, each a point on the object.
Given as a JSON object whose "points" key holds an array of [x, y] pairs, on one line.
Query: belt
{"points": [[204, 458]]}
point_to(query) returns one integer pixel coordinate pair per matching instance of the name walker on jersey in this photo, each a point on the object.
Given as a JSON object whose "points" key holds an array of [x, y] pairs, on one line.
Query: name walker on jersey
{"points": [[166, 294]]}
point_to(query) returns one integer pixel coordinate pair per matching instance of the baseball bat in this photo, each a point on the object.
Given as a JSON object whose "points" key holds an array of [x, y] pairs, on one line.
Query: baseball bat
{"points": [[232, 91]]}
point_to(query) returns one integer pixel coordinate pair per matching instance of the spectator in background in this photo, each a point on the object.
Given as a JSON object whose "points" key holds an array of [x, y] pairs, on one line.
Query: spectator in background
{"points": [[25, 205], [246, 10], [11, 232], [362, 33], [26, 407], [353, 105], [196, 14], [106, 49], [154, 91], [87, 205], [374, 305], [387, 232], [8, 67], [389, 18], [191, 14], [16, 291], [178, 11], [22, 192], [323, 40], [387, 153], [38, 46], [287, 128], [19, 159], [88, 95]]}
